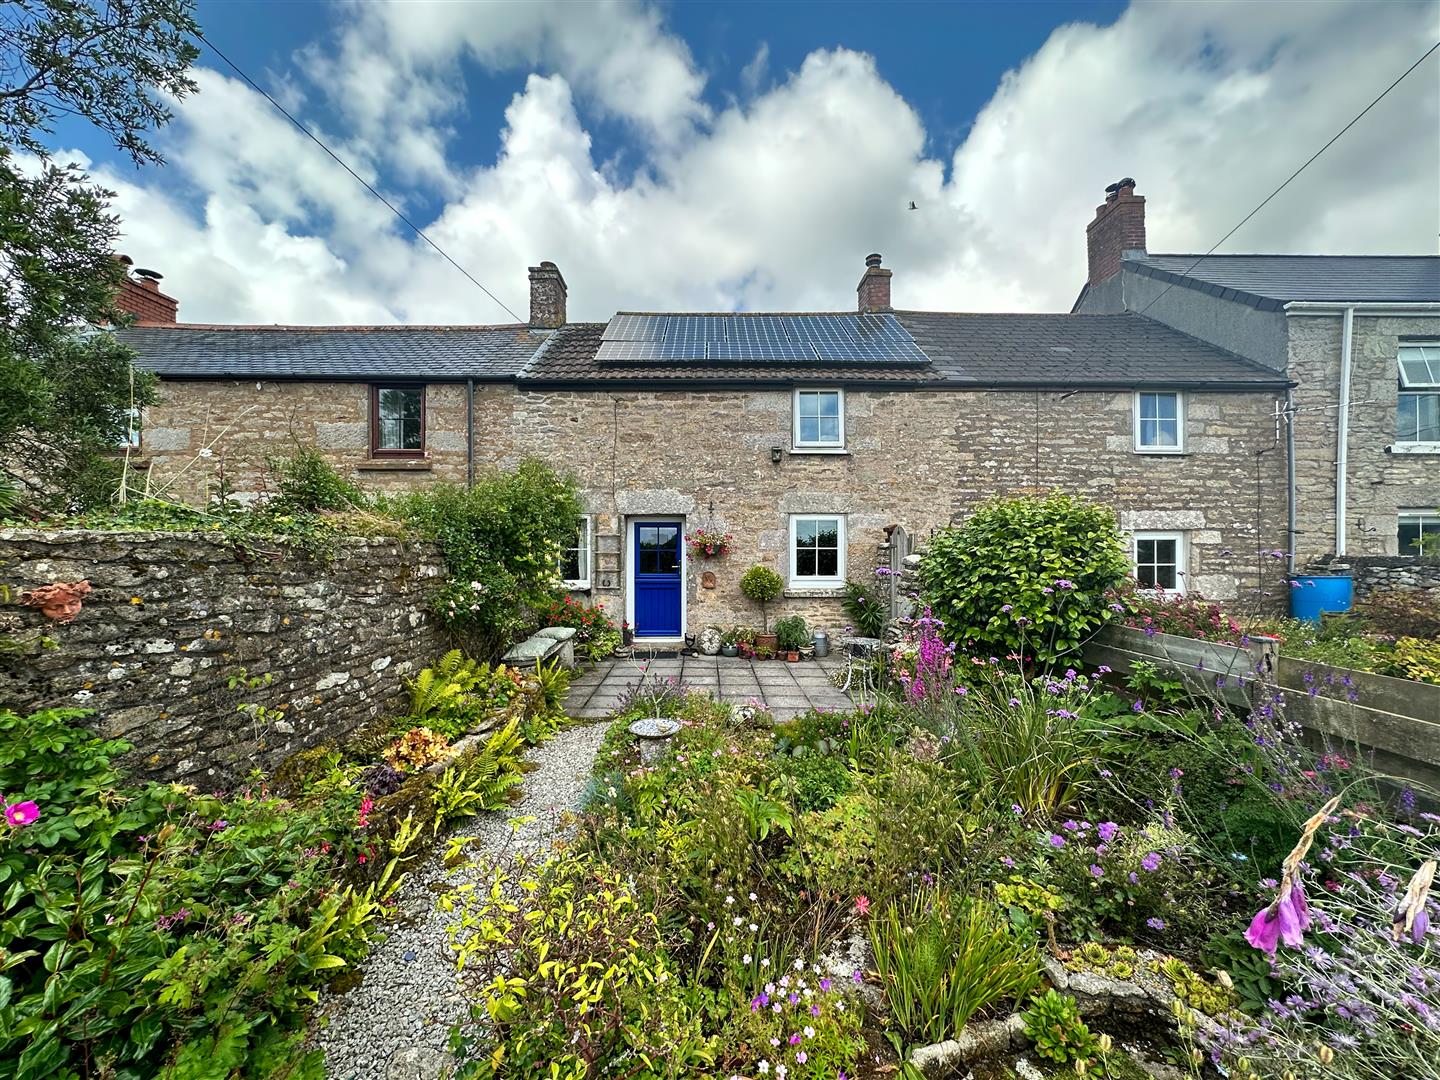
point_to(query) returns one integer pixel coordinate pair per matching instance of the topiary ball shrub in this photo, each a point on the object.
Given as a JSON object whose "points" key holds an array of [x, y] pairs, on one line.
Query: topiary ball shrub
{"points": [[762, 585], [1025, 575]]}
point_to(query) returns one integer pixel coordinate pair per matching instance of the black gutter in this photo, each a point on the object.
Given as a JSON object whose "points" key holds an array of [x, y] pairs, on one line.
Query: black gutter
{"points": [[470, 434]]}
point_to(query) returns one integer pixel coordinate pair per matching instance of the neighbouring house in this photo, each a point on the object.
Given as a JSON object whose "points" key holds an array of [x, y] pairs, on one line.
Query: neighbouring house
{"points": [[1358, 335], [803, 435]]}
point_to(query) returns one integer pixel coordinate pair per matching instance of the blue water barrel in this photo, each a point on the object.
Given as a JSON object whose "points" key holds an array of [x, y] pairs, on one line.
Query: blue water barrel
{"points": [[1316, 593]]}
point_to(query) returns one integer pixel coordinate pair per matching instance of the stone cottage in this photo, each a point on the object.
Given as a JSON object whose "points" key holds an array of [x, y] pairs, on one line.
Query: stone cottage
{"points": [[1357, 335], [803, 435]]}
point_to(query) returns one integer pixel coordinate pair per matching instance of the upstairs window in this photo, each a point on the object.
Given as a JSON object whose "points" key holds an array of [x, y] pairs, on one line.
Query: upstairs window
{"points": [[817, 551], [397, 421], [1159, 422], [1160, 561], [1420, 532], [1418, 417], [819, 419], [575, 561]]}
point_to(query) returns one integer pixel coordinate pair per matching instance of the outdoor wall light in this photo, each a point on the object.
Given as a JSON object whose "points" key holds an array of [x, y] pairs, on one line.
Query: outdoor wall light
{"points": [[775, 454]]}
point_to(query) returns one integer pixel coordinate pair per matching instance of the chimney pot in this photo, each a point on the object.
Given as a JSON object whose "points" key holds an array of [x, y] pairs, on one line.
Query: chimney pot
{"points": [[1118, 227], [547, 297], [139, 295], [873, 292]]}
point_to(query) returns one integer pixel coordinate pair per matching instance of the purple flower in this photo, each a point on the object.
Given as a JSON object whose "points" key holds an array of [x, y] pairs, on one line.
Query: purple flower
{"points": [[1056, 840], [1151, 861], [1095, 871], [1155, 923], [1108, 829], [1134, 878], [1278, 922]]}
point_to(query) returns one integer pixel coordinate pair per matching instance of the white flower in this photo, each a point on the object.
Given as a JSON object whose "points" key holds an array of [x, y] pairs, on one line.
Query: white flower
{"points": [[780, 1072], [840, 1005], [729, 900], [753, 927], [764, 1067], [738, 920], [799, 964], [753, 897], [809, 1032], [765, 962], [745, 959]]}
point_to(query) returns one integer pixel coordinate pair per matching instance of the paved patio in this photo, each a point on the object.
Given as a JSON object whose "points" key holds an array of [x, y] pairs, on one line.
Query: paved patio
{"points": [[786, 689]]}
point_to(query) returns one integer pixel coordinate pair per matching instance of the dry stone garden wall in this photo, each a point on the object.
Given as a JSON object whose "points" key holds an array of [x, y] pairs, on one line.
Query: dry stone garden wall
{"points": [[181, 630]]}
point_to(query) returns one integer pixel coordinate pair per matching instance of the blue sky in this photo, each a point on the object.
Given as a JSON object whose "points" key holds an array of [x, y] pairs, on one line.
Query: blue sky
{"points": [[718, 156]]}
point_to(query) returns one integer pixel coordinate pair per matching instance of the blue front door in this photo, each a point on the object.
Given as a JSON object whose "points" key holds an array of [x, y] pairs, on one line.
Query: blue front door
{"points": [[657, 555]]}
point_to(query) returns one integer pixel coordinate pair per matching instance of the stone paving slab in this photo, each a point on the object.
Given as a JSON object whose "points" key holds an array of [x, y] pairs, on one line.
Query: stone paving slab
{"points": [[786, 689]]}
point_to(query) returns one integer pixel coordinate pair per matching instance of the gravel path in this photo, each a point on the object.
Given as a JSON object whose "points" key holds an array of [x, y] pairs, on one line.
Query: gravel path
{"points": [[396, 1024]]}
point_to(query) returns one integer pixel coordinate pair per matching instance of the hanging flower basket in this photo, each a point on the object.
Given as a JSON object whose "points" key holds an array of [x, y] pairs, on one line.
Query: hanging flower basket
{"points": [[708, 544]]}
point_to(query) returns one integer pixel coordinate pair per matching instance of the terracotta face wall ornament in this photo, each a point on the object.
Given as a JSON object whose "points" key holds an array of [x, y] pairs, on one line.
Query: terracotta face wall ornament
{"points": [[61, 601]]}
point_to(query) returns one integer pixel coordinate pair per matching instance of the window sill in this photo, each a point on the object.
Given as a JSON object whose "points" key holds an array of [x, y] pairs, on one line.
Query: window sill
{"points": [[795, 591], [833, 451], [395, 465], [575, 586], [1413, 448], [1155, 451]]}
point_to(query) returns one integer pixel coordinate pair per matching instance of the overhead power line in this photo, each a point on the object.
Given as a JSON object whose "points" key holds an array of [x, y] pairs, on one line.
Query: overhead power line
{"points": [[1333, 140], [365, 183]]}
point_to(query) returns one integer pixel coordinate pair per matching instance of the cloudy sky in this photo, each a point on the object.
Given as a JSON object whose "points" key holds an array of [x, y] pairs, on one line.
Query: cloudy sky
{"points": [[716, 157]]}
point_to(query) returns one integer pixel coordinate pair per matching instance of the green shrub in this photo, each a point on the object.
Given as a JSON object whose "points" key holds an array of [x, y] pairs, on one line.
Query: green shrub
{"points": [[160, 931], [942, 959], [309, 484], [502, 540], [1415, 659], [573, 976], [865, 607], [818, 781], [792, 634], [762, 585], [1025, 575]]}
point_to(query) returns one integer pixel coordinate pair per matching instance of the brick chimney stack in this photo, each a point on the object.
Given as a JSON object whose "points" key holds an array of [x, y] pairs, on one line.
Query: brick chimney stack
{"points": [[547, 297], [873, 292], [140, 295], [1119, 226]]}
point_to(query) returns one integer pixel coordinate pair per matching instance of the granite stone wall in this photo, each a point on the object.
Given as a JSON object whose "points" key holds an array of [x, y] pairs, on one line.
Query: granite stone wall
{"points": [[920, 459], [1381, 481], [182, 629], [1384, 573]]}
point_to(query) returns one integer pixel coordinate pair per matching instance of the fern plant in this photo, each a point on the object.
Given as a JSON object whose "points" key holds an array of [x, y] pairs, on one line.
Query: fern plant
{"points": [[480, 779], [441, 689]]}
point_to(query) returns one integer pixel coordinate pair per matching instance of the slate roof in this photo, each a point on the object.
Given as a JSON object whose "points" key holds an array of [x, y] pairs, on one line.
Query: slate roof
{"points": [[1119, 351], [435, 353], [1268, 282], [570, 357]]}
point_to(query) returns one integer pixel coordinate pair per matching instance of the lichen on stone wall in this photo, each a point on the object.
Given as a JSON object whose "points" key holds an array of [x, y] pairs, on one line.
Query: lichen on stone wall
{"points": [[181, 630]]}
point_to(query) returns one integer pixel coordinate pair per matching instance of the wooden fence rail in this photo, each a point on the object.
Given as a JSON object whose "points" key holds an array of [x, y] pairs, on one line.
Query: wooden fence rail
{"points": [[1396, 721]]}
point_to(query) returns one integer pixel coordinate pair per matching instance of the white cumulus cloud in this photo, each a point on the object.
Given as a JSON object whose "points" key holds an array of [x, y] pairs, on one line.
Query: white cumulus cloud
{"points": [[772, 202]]}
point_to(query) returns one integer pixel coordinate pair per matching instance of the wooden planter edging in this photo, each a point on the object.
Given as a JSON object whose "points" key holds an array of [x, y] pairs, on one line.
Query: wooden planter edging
{"points": [[1398, 718]]}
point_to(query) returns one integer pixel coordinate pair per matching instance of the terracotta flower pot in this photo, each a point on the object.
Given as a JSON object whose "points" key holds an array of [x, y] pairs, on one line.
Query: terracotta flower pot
{"points": [[766, 641], [792, 656]]}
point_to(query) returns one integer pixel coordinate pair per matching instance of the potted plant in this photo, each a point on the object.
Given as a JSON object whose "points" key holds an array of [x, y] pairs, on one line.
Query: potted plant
{"points": [[730, 641], [762, 585], [792, 635]]}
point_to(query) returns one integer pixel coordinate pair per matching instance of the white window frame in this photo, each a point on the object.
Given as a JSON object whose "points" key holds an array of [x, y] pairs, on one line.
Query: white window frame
{"points": [[1142, 448], [812, 582], [131, 439], [1428, 520], [585, 535], [1181, 559], [1418, 389], [822, 446]]}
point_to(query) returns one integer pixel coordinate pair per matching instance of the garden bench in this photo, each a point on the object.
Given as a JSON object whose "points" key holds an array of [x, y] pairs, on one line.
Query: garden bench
{"points": [[543, 645]]}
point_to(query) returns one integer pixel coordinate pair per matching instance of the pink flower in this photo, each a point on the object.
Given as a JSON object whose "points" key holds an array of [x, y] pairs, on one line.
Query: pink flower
{"points": [[21, 813], [1286, 919], [862, 905]]}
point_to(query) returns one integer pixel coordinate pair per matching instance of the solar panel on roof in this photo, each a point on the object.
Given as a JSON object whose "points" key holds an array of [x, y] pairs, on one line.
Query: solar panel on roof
{"points": [[858, 338]]}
